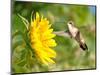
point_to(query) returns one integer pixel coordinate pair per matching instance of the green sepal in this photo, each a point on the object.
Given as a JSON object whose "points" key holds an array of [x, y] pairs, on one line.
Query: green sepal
{"points": [[25, 21]]}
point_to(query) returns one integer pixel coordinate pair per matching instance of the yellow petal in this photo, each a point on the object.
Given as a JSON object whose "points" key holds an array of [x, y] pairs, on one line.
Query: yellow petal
{"points": [[49, 36], [49, 60], [50, 43], [50, 52], [44, 61], [37, 15]]}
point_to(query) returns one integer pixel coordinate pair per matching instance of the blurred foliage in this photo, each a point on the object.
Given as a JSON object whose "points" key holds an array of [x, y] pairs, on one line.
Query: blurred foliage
{"points": [[69, 54]]}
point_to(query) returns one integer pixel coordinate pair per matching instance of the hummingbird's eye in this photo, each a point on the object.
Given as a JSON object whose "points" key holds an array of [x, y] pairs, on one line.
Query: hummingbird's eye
{"points": [[70, 23]]}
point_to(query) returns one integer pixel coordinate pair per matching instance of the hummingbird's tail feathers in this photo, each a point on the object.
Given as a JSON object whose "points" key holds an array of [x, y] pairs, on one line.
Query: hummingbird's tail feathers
{"points": [[83, 46]]}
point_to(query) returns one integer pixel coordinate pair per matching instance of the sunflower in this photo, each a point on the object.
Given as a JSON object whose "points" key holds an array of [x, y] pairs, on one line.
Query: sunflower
{"points": [[41, 38]]}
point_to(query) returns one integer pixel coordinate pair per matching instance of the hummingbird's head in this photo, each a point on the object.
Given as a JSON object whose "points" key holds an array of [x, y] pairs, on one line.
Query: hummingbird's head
{"points": [[70, 23]]}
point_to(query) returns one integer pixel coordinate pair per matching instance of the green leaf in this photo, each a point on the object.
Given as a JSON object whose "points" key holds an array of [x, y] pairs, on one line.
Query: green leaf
{"points": [[22, 62], [25, 21], [17, 24], [18, 69], [15, 45], [30, 61], [16, 33]]}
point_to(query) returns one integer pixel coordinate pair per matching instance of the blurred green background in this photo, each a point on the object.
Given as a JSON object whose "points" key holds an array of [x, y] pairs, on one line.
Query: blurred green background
{"points": [[69, 54]]}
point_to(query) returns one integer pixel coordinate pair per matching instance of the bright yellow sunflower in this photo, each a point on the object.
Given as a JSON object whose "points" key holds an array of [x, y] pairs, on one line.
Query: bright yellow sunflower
{"points": [[41, 38]]}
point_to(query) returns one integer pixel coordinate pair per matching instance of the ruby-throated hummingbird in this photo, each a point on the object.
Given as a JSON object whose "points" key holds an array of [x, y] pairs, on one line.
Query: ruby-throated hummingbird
{"points": [[76, 34]]}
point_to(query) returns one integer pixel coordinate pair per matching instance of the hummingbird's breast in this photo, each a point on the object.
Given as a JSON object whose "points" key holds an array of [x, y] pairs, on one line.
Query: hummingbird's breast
{"points": [[73, 30]]}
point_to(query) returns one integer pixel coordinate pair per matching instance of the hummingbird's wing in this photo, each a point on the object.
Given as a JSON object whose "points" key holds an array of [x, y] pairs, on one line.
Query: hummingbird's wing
{"points": [[64, 33], [77, 37], [68, 32]]}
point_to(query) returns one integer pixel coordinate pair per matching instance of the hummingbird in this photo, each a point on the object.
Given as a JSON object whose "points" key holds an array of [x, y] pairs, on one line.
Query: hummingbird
{"points": [[74, 33]]}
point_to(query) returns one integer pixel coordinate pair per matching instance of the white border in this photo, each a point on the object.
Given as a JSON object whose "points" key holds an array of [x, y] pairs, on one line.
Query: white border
{"points": [[85, 2], [5, 37]]}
